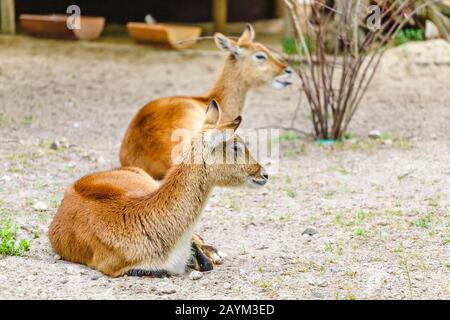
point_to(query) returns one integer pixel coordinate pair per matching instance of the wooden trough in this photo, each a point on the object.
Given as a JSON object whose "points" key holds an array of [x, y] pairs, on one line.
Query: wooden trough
{"points": [[168, 35], [54, 26]]}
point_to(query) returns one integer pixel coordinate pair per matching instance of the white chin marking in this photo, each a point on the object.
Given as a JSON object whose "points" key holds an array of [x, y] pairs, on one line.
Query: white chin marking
{"points": [[280, 84], [253, 184]]}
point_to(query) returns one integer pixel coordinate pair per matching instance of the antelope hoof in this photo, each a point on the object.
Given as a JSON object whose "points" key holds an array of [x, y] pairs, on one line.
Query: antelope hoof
{"points": [[204, 263], [213, 254], [205, 256]]}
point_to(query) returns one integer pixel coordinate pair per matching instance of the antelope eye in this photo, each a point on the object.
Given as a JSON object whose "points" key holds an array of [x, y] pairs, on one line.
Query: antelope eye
{"points": [[260, 56]]}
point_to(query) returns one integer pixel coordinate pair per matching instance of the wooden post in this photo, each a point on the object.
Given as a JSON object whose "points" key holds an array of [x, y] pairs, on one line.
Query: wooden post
{"points": [[282, 13], [220, 15], [279, 9], [7, 17]]}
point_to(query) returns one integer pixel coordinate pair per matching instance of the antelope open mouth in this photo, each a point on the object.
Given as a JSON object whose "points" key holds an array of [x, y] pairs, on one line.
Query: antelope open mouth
{"points": [[259, 181], [280, 83]]}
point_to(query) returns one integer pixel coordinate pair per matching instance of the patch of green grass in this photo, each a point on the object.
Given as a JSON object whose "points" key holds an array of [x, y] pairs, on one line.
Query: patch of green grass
{"points": [[250, 218], [329, 194], [328, 247], [408, 34], [24, 157], [43, 218], [16, 169], [290, 153], [70, 168], [361, 215], [394, 212], [367, 145], [26, 163], [29, 201], [432, 203], [306, 266], [340, 250], [291, 193], [399, 249], [5, 120], [347, 136], [351, 274], [36, 234], [266, 287], [27, 120], [296, 150], [405, 264], [342, 170], [39, 185], [338, 168], [425, 221], [356, 218], [422, 223], [360, 232], [348, 297], [244, 251], [55, 202], [447, 240], [339, 220], [402, 144], [371, 145], [322, 269], [285, 217], [289, 46], [328, 212], [233, 205], [9, 245], [288, 137], [386, 136], [21, 161]]}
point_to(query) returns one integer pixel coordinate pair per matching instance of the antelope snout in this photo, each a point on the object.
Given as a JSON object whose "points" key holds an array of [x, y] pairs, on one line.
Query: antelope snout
{"points": [[284, 79], [261, 179], [289, 71]]}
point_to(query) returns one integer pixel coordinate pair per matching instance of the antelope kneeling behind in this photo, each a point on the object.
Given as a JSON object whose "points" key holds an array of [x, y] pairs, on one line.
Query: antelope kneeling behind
{"points": [[148, 142], [123, 222]]}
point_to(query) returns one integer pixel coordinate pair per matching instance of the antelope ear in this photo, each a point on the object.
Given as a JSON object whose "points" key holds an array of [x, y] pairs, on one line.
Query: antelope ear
{"points": [[248, 35], [228, 45], [228, 129], [212, 114], [234, 125]]}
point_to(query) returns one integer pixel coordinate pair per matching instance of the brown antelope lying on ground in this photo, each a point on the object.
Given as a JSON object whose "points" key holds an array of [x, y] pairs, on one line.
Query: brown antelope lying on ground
{"points": [[148, 142], [123, 222]]}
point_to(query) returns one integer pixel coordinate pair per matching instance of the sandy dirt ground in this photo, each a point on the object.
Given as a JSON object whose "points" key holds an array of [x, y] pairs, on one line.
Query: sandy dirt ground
{"points": [[380, 207]]}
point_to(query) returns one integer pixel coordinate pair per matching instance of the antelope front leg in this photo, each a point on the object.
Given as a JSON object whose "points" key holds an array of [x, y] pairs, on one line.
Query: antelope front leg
{"points": [[204, 256]]}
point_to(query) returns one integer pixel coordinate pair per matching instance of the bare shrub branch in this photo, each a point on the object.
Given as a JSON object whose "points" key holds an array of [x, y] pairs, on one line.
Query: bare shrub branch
{"points": [[335, 80]]}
